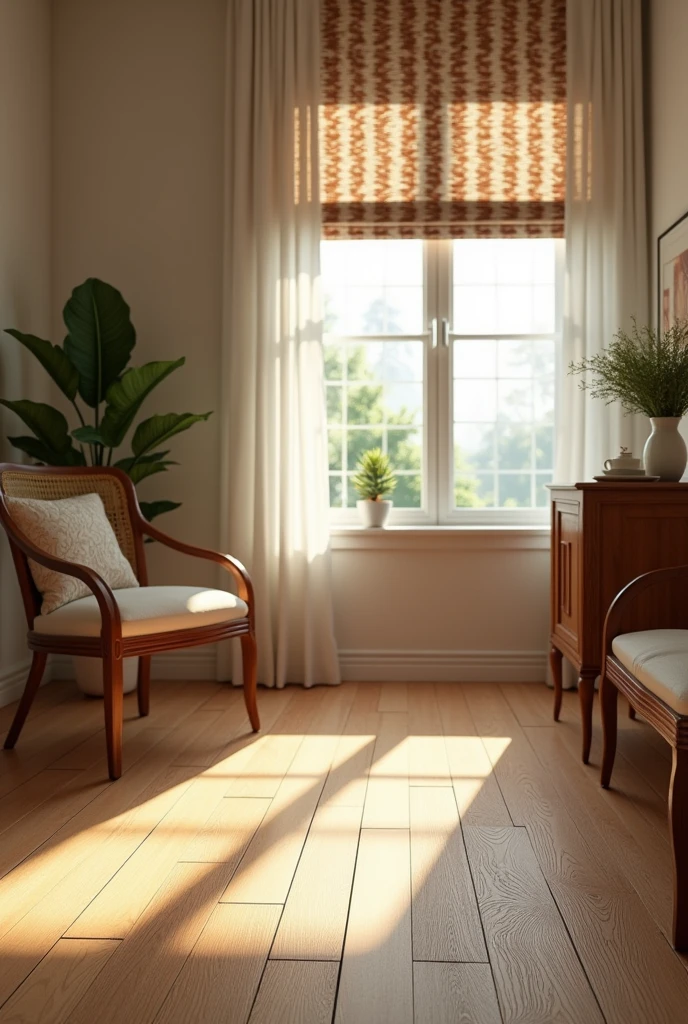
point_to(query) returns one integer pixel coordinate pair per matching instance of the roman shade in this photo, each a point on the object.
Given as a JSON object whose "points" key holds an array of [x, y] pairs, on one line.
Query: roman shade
{"points": [[443, 118]]}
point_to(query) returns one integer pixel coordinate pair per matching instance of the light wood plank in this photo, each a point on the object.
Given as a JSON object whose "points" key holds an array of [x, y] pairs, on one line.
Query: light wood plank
{"points": [[629, 963], [428, 765], [478, 796], [218, 982], [226, 834], [119, 904], [51, 992], [314, 919], [57, 691], [387, 796], [446, 923], [348, 779], [135, 982], [296, 992], [536, 970], [454, 994], [376, 984], [393, 697], [36, 791]]}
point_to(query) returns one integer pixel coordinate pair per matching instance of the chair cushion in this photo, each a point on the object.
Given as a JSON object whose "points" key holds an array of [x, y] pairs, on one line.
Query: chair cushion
{"points": [[658, 658], [77, 530], [146, 610]]}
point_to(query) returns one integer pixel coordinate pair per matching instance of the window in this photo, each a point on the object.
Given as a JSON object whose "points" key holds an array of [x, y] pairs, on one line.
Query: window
{"points": [[443, 354]]}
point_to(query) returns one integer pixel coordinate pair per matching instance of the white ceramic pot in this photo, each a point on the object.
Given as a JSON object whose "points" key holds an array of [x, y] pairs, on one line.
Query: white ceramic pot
{"points": [[665, 452], [89, 675], [373, 513]]}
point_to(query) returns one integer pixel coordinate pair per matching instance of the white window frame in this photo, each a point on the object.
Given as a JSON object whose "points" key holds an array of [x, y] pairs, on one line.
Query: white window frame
{"points": [[437, 486]]}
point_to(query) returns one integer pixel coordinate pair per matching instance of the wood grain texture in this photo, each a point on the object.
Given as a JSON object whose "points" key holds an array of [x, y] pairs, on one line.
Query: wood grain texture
{"points": [[376, 983], [314, 919], [537, 973], [428, 765], [387, 796], [296, 992], [219, 981], [478, 796], [136, 980], [227, 832], [393, 697], [454, 994], [446, 923], [51, 992], [347, 781], [35, 791], [630, 965]]}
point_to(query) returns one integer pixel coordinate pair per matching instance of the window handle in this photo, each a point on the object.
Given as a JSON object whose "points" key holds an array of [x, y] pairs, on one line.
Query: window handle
{"points": [[444, 333], [433, 332]]}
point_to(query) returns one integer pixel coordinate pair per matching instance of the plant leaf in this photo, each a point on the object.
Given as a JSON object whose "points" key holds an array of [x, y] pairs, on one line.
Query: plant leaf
{"points": [[41, 453], [53, 359], [151, 509], [127, 394], [155, 431], [127, 462], [141, 470], [88, 434], [48, 424], [101, 337]]}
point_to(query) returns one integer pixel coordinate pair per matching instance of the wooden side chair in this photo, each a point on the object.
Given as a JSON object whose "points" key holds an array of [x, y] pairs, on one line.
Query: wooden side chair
{"points": [[112, 625], [650, 668]]}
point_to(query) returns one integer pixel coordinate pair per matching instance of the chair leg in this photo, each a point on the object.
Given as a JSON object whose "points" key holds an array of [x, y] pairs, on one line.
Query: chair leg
{"points": [[249, 654], [143, 685], [586, 695], [678, 827], [114, 711], [32, 684], [609, 697], [555, 660]]}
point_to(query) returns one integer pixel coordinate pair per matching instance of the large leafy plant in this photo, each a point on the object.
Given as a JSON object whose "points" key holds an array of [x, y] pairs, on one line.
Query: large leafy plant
{"points": [[90, 369]]}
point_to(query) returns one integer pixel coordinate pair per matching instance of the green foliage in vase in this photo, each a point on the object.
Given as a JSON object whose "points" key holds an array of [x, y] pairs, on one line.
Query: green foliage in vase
{"points": [[647, 371], [375, 477], [92, 366]]}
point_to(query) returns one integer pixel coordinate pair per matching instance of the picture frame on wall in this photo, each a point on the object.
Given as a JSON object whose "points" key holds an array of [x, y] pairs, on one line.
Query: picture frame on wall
{"points": [[672, 274]]}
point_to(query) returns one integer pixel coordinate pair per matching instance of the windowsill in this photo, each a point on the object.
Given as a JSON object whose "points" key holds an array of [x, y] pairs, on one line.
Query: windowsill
{"points": [[441, 538]]}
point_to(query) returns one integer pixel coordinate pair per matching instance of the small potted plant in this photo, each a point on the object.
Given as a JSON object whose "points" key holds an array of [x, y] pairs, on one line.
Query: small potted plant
{"points": [[375, 479], [647, 371]]}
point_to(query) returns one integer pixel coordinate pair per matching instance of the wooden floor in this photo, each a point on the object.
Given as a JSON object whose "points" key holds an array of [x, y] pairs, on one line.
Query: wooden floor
{"points": [[379, 854]]}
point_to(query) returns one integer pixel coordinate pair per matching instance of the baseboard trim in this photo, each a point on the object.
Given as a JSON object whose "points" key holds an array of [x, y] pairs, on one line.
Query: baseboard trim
{"points": [[13, 681], [444, 666], [192, 664]]}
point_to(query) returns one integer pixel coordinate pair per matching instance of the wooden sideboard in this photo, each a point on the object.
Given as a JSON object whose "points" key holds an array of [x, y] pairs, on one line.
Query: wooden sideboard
{"points": [[603, 536]]}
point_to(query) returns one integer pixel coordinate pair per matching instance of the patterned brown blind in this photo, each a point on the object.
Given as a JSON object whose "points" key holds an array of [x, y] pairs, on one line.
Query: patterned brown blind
{"points": [[443, 118]]}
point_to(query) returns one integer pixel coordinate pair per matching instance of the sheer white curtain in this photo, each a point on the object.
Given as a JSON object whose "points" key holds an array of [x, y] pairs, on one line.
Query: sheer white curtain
{"points": [[274, 478], [606, 230]]}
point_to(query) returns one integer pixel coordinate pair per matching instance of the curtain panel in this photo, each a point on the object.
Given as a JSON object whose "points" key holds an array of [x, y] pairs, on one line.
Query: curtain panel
{"points": [[607, 273], [443, 118], [275, 511]]}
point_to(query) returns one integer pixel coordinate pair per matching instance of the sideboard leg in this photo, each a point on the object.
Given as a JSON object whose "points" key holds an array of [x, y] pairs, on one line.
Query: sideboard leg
{"points": [[555, 660], [586, 693]]}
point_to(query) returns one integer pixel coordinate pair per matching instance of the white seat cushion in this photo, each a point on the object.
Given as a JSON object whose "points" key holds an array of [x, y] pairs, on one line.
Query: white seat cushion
{"points": [[146, 610], [658, 658]]}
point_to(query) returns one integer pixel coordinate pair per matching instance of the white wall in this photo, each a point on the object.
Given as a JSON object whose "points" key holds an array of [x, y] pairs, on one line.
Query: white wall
{"points": [[25, 168]]}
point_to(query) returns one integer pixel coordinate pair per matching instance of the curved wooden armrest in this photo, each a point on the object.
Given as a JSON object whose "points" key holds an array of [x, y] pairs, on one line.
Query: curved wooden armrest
{"points": [[232, 565], [109, 608], [633, 590]]}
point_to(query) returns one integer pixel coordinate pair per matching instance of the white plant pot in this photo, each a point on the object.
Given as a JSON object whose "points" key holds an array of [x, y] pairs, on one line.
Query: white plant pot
{"points": [[373, 513], [665, 452], [89, 675]]}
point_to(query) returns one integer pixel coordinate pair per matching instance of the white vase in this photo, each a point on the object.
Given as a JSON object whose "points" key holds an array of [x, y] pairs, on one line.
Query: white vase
{"points": [[89, 675], [665, 452], [373, 513]]}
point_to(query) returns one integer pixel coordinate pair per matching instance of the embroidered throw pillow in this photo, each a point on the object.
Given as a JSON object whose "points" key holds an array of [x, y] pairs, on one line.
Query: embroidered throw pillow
{"points": [[78, 530]]}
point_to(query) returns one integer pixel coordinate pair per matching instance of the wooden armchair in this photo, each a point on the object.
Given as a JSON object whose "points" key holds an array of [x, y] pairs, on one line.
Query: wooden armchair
{"points": [[105, 630], [650, 667]]}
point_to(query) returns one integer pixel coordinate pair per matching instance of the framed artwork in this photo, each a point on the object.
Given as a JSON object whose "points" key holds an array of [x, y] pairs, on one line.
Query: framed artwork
{"points": [[672, 274]]}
